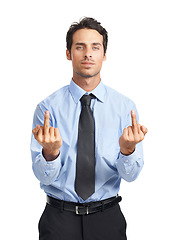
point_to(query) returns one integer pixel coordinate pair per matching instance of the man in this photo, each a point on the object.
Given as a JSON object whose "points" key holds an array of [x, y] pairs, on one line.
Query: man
{"points": [[85, 140]]}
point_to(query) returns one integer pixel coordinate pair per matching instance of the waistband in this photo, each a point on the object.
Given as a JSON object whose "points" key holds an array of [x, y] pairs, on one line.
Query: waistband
{"points": [[84, 208]]}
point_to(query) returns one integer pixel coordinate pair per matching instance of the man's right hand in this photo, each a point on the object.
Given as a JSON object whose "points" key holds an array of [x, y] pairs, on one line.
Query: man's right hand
{"points": [[49, 138]]}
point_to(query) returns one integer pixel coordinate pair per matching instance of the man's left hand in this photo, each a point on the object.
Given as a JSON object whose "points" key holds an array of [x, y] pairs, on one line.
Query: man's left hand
{"points": [[131, 136]]}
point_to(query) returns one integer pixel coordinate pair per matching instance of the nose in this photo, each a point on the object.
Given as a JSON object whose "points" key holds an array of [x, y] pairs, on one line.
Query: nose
{"points": [[88, 53], [88, 56]]}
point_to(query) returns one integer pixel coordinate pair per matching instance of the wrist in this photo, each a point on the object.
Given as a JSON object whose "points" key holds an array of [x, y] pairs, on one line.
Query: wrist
{"points": [[127, 152], [50, 156]]}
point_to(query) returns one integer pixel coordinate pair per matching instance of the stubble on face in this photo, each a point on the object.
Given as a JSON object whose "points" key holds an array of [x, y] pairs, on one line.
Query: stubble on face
{"points": [[82, 75], [87, 56]]}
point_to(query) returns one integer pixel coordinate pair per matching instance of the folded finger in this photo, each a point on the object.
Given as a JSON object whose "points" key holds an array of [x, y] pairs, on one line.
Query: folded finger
{"points": [[40, 134], [144, 129], [51, 131], [130, 133], [35, 130], [125, 133]]}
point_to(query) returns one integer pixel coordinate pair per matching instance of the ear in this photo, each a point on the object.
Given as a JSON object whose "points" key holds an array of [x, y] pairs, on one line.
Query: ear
{"points": [[68, 55], [104, 59]]}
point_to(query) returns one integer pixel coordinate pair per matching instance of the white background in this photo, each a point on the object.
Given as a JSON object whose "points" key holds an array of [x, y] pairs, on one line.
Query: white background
{"points": [[33, 65]]}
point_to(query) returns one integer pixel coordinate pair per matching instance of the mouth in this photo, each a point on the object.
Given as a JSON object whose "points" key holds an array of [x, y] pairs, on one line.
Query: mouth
{"points": [[87, 64]]}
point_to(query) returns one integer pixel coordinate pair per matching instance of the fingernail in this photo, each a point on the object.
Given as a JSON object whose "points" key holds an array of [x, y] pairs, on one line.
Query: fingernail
{"points": [[47, 112]]}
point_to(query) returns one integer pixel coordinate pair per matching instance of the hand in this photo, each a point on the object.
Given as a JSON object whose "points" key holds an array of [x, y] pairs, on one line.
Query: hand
{"points": [[131, 136], [48, 138]]}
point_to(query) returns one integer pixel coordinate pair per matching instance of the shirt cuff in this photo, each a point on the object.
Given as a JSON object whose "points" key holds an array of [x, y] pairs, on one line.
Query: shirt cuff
{"points": [[129, 166], [48, 171], [56, 163], [128, 158]]}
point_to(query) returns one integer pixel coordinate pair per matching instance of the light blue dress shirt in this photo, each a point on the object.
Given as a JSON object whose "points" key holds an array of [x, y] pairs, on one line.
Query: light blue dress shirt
{"points": [[112, 113]]}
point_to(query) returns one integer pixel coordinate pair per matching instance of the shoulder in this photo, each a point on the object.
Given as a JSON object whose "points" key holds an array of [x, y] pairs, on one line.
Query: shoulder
{"points": [[116, 97], [52, 103], [120, 106], [55, 98]]}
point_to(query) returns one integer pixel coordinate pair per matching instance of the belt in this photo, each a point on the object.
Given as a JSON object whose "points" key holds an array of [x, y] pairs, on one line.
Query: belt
{"points": [[83, 208]]}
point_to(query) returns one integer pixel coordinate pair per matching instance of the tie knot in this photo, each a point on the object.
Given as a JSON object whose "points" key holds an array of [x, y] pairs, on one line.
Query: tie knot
{"points": [[86, 99]]}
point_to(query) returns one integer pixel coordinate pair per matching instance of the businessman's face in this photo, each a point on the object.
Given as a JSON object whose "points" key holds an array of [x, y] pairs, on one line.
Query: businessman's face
{"points": [[87, 53]]}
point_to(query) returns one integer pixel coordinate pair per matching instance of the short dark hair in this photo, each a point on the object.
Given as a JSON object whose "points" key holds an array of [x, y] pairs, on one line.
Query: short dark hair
{"points": [[89, 23]]}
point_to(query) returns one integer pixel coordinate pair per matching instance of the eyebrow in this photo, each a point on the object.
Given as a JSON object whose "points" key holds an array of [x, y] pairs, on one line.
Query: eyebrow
{"points": [[83, 44]]}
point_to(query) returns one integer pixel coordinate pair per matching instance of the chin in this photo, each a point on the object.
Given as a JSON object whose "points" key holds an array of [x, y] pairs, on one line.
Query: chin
{"points": [[87, 75]]}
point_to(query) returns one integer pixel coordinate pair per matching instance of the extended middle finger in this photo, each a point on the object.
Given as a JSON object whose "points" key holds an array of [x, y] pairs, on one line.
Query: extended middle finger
{"points": [[46, 123]]}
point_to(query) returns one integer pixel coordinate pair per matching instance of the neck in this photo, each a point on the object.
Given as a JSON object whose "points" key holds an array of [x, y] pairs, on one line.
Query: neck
{"points": [[88, 84]]}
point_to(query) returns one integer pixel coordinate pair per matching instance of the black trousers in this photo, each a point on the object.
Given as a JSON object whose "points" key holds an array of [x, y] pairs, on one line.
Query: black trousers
{"points": [[55, 224]]}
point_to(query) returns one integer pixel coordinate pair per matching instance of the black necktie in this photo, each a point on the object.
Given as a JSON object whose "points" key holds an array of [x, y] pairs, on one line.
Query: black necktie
{"points": [[85, 170]]}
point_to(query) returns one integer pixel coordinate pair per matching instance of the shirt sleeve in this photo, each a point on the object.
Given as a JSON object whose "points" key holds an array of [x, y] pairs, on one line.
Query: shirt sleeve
{"points": [[46, 172], [129, 167]]}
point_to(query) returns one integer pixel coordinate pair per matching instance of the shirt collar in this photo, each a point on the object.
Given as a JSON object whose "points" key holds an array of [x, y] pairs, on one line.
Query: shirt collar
{"points": [[77, 92]]}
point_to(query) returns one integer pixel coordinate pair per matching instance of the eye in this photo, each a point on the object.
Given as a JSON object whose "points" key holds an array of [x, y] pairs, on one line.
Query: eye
{"points": [[96, 48], [79, 48]]}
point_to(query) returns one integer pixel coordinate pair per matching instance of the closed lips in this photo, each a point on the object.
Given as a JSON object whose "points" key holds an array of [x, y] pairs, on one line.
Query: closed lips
{"points": [[88, 63]]}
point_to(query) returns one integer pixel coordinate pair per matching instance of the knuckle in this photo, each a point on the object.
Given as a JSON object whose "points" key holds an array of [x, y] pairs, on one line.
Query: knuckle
{"points": [[58, 137], [46, 139], [46, 125], [41, 128], [39, 139], [57, 130], [142, 137], [126, 138]]}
